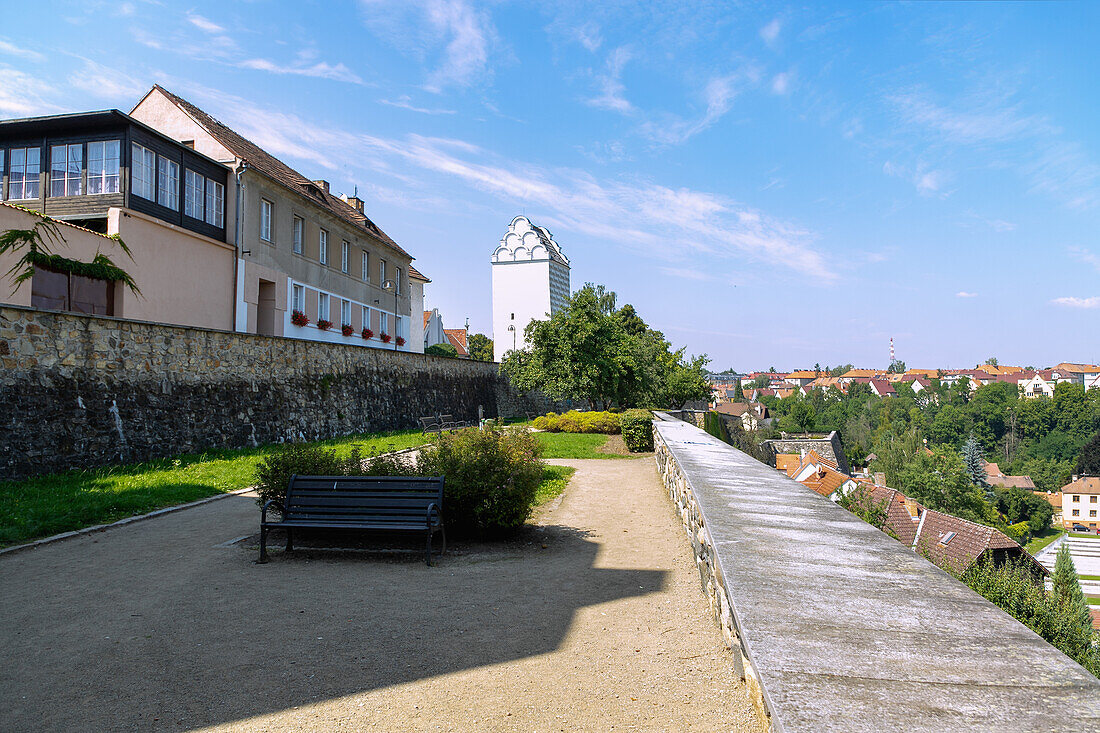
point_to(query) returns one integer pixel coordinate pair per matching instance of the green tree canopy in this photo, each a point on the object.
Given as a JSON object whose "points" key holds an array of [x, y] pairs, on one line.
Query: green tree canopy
{"points": [[1088, 461], [481, 347], [445, 350]]}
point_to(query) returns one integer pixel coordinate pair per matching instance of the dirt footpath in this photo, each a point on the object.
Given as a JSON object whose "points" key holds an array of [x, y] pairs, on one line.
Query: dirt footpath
{"points": [[594, 620]]}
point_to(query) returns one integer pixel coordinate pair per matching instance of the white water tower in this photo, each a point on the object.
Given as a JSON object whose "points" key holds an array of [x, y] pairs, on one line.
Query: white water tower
{"points": [[530, 280]]}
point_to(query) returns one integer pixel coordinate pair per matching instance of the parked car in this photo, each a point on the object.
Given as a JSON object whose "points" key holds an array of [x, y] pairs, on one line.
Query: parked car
{"points": [[1080, 528]]}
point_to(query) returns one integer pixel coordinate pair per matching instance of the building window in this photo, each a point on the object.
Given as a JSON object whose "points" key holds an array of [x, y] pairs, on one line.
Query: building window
{"points": [[215, 204], [299, 230], [143, 173], [1092, 512], [345, 253], [366, 266], [384, 322], [194, 193], [297, 298], [397, 279], [322, 250], [1076, 512], [168, 183], [103, 166], [322, 307], [381, 272], [366, 317], [345, 313], [265, 220], [66, 163], [24, 173], [53, 290], [1092, 499], [1077, 497]]}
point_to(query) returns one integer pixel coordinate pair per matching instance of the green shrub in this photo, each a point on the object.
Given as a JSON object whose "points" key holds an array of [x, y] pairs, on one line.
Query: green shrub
{"points": [[637, 427], [1017, 532], [579, 422], [491, 478], [274, 472]]}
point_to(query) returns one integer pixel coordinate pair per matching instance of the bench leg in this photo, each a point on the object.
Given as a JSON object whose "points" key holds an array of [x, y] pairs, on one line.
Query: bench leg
{"points": [[263, 544], [289, 540], [428, 552]]}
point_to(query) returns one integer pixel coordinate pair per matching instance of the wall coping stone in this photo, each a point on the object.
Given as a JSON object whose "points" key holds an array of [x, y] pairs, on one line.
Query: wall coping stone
{"points": [[842, 628]]}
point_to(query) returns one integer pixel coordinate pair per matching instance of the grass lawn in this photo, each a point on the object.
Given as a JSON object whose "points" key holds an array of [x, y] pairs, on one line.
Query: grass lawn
{"points": [[1038, 543], [1093, 600], [574, 445], [554, 481], [55, 503], [1090, 535], [1088, 577]]}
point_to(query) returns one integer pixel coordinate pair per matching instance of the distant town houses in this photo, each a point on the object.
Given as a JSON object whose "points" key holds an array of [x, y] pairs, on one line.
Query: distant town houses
{"points": [[1081, 503], [224, 235]]}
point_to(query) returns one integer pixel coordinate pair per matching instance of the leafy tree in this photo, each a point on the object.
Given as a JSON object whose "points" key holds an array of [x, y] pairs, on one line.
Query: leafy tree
{"points": [[481, 347], [760, 382], [897, 366], [992, 361], [972, 460], [804, 415], [1088, 461], [840, 370], [631, 322], [444, 350], [738, 393]]}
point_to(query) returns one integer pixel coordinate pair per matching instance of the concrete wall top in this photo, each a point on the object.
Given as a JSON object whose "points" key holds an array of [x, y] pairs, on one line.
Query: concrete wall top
{"points": [[847, 630]]}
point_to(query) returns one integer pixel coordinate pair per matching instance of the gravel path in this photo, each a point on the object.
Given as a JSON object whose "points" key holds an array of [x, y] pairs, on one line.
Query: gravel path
{"points": [[593, 620]]}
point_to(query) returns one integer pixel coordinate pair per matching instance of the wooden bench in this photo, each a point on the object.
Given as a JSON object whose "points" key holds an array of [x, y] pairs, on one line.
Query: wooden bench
{"points": [[359, 503], [439, 423]]}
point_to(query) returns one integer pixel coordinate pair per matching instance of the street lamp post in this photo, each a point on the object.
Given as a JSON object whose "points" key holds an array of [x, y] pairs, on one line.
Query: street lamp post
{"points": [[392, 285], [513, 330]]}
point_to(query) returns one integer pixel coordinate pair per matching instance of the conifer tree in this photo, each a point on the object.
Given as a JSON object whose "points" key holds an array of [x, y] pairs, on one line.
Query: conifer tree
{"points": [[972, 459], [1074, 621]]}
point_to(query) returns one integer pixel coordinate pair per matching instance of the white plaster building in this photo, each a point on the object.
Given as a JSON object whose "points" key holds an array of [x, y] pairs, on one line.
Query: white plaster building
{"points": [[530, 282]]}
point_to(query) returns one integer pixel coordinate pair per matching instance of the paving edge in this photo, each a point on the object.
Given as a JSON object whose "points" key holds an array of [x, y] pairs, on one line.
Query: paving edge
{"points": [[151, 515], [120, 523]]}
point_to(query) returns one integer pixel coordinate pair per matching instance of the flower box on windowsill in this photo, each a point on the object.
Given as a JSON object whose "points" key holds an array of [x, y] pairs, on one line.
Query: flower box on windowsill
{"points": [[323, 324], [368, 334], [299, 319], [385, 338], [346, 329], [400, 341]]}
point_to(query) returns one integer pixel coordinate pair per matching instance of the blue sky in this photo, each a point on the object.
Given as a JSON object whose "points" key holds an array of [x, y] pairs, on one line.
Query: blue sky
{"points": [[769, 184]]}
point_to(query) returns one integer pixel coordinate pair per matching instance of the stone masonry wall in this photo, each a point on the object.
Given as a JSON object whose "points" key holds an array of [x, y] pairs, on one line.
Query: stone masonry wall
{"points": [[79, 391], [710, 576]]}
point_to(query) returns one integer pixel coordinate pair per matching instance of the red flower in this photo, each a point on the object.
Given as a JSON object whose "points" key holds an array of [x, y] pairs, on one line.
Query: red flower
{"points": [[346, 329], [323, 324], [299, 319], [400, 341], [367, 333], [385, 338]]}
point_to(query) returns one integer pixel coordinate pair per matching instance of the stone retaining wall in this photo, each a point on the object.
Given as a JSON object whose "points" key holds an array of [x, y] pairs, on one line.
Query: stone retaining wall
{"points": [[79, 391]]}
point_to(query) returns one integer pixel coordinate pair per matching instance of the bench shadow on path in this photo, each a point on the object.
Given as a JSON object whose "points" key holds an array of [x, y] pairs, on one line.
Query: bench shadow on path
{"points": [[251, 639]]}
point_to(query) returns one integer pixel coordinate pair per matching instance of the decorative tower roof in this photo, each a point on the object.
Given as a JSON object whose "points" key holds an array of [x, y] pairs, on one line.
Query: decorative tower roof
{"points": [[525, 242]]}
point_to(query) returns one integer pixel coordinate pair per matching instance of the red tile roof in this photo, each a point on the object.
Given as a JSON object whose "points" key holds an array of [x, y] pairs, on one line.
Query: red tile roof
{"points": [[457, 338], [1083, 485]]}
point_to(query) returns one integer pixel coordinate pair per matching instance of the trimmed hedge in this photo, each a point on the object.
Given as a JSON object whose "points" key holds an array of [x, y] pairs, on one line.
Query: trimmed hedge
{"points": [[574, 421], [637, 427]]}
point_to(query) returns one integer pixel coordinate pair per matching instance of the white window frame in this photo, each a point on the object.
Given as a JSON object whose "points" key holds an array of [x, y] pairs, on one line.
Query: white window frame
{"points": [[381, 272], [104, 159], [322, 247], [397, 279], [383, 322], [266, 212], [366, 316], [143, 172], [345, 312], [71, 168], [30, 182], [215, 204], [366, 266], [345, 255], [194, 194], [299, 233], [324, 309], [298, 298], [168, 183]]}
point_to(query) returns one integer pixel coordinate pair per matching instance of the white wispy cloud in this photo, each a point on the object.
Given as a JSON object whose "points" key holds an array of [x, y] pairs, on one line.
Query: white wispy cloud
{"points": [[719, 95], [964, 294], [25, 95], [204, 24], [927, 182], [24, 53], [781, 83], [405, 102], [644, 217], [979, 118], [687, 273], [589, 36], [1071, 302], [319, 70], [1086, 256], [609, 84], [106, 82], [770, 32]]}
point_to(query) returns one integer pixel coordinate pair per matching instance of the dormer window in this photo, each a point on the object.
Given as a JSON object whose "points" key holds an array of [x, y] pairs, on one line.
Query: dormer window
{"points": [[947, 538]]}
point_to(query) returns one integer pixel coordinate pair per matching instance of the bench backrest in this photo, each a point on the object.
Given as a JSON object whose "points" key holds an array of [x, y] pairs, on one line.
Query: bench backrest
{"points": [[352, 499]]}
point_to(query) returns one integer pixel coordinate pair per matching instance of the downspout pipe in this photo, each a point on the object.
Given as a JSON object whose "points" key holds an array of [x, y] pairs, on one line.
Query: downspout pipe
{"points": [[237, 214]]}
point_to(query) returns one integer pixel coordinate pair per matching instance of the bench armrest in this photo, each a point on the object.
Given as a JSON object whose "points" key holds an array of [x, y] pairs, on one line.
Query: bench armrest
{"points": [[433, 508], [263, 512]]}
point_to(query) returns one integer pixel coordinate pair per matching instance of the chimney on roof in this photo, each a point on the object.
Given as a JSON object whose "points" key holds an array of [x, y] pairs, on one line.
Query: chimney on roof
{"points": [[353, 201], [912, 507], [323, 185]]}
